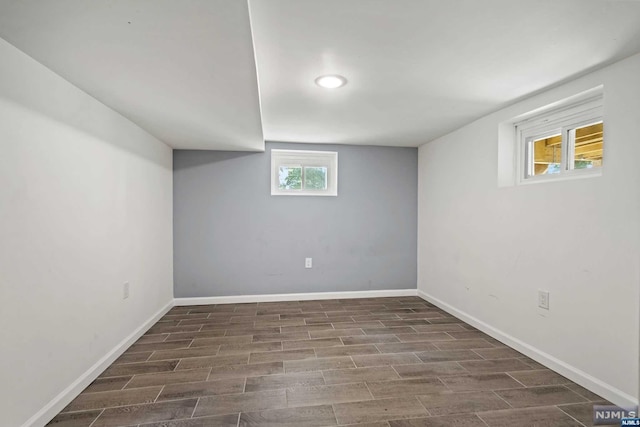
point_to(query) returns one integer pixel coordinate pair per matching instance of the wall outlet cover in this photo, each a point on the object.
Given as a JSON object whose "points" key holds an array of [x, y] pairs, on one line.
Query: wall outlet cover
{"points": [[543, 299]]}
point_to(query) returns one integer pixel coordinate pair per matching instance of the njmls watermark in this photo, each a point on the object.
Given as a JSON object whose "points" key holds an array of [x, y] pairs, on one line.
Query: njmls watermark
{"points": [[610, 414]]}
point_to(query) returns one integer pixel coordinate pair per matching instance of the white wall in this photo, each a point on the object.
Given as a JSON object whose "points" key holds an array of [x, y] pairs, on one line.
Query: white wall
{"points": [[85, 205], [484, 251]]}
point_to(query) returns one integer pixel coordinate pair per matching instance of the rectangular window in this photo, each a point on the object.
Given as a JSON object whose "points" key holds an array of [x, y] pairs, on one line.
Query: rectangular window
{"points": [[564, 142], [304, 173]]}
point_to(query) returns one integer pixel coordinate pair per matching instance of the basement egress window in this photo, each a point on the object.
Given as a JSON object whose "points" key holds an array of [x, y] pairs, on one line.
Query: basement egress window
{"points": [[562, 143], [304, 173]]}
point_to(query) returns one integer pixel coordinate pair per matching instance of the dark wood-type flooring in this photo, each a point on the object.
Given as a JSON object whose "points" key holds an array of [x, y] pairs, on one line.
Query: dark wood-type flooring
{"points": [[375, 362]]}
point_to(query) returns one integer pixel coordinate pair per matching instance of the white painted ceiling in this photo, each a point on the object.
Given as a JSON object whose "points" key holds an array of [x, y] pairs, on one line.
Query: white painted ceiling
{"points": [[417, 69], [182, 70]]}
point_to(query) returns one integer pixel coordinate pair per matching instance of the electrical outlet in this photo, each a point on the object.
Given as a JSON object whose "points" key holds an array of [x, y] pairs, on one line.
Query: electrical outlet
{"points": [[308, 262], [125, 290], [543, 299]]}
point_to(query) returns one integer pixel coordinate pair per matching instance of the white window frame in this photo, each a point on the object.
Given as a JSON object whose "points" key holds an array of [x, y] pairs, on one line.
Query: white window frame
{"points": [[304, 158], [564, 121]]}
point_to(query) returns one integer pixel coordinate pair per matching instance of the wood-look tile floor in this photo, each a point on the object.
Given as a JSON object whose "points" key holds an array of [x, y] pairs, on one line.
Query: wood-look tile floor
{"points": [[375, 362]]}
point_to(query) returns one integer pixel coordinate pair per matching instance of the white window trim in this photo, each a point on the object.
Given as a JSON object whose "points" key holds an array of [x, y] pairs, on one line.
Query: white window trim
{"points": [[562, 121], [328, 159]]}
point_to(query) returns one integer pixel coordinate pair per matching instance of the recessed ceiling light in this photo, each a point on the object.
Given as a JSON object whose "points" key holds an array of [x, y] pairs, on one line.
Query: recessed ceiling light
{"points": [[331, 81]]}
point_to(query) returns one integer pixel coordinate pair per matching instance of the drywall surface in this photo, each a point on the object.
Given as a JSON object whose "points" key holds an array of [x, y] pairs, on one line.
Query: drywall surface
{"points": [[231, 237], [486, 250], [85, 205]]}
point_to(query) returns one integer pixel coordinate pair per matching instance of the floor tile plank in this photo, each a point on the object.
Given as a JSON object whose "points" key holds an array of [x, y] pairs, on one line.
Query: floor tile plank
{"points": [[201, 388], [539, 417], [347, 350], [378, 410], [330, 333], [318, 364], [406, 347], [312, 343], [448, 402], [281, 356], [230, 420], [163, 378], [184, 353], [140, 368], [308, 416], [496, 365], [327, 394], [448, 356], [274, 382], [405, 387], [211, 361], [473, 382], [458, 420], [242, 371], [128, 415], [109, 399], [228, 349], [370, 339], [74, 419], [385, 360], [244, 402], [341, 376], [540, 396], [108, 384], [435, 369], [539, 377]]}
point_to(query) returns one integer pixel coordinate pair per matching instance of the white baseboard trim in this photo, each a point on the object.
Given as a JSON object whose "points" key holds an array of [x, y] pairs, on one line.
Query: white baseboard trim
{"points": [[576, 375], [58, 403], [294, 297]]}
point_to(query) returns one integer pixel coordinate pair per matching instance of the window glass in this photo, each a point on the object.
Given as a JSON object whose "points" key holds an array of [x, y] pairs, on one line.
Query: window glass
{"points": [[588, 146], [290, 177], [547, 155], [315, 178]]}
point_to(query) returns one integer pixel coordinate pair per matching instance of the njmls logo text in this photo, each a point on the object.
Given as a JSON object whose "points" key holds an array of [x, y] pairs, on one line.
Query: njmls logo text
{"points": [[630, 422], [605, 414]]}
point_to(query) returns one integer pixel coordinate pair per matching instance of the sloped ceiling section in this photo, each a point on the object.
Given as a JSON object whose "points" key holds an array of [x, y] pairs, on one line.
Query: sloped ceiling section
{"points": [[182, 70], [418, 69], [185, 70]]}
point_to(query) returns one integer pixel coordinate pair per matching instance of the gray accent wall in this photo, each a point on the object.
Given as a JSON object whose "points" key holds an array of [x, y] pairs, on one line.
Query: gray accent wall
{"points": [[231, 237]]}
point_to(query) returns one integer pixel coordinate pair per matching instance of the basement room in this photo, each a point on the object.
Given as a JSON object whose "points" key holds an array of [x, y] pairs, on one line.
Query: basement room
{"points": [[313, 213]]}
